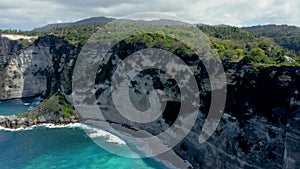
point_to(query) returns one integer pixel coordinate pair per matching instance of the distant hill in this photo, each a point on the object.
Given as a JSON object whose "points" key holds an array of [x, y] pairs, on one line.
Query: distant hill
{"points": [[99, 20], [49, 27], [159, 22], [103, 20], [92, 20], [284, 35], [222, 25], [267, 44]]}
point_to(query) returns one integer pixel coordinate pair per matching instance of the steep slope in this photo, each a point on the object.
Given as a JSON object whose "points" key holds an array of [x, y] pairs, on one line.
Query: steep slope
{"points": [[35, 69], [260, 125]]}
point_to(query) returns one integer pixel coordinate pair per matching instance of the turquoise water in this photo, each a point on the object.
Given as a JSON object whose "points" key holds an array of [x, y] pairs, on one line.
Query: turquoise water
{"points": [[62, 148], [14, 106], [46, 148]]}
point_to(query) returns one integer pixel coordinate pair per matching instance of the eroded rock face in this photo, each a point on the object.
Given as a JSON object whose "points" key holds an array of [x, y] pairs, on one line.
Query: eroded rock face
{"points": [[35, 69], [27, 73], [260, 126], [8, 48]]}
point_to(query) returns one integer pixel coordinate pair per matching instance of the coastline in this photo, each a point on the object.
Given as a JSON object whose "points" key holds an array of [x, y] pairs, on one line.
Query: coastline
{"points": [[12, 123], [17, 121], [47, 125], [170, 159]]}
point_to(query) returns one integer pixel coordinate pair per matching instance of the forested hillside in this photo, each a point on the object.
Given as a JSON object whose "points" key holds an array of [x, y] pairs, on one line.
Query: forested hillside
{"points": [[284, 35], [236, 44], [259, 45]]}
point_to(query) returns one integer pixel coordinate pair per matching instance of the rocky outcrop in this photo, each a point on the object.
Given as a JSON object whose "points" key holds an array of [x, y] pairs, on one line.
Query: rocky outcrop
{"points": [[14, 121], [53, 110]]}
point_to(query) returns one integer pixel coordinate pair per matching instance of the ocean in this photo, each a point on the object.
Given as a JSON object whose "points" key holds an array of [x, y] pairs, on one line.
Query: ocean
{"points": [[47, 147], [15, 106]]}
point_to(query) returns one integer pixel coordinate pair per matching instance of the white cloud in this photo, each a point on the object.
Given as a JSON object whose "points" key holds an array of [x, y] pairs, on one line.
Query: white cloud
{"points": [[26, 14]]}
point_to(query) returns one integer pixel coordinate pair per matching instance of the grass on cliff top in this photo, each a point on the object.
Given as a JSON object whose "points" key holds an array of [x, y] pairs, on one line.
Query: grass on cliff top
{"points": [[56, 103]]}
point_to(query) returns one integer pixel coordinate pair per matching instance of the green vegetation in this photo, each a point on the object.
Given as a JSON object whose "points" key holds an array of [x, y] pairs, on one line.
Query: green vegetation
{"points": [[284, 35], [154, 40], [76, 34], [259, 45], [68, 110], [56, 103], [236, 44], [228, 32], [20, 32], [26, 42]]}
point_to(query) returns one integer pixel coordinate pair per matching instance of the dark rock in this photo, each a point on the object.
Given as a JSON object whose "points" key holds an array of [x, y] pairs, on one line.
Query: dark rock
{"points": [[22, 122]]}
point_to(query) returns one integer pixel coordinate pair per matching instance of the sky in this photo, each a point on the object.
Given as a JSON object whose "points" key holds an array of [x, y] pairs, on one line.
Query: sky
{"points": [[28, 14]]}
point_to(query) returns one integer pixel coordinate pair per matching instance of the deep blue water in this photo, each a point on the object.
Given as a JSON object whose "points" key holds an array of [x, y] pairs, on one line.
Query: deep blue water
{"points": [[68, 147]]}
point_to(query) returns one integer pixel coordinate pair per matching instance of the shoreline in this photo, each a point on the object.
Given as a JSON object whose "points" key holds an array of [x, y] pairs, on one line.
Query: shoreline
{"points": [[18, 121], [46, 125], [20, 98], [170, 159]]}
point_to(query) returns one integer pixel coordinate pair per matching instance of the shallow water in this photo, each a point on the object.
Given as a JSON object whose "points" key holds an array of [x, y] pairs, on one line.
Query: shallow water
{"points": [[66, 147], [15, 106]]}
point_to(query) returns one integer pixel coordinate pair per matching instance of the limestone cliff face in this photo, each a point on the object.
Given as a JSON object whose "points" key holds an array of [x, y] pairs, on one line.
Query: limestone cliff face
{"points": [[260, 127], [27, 73], [8, 48], [33, 70]]}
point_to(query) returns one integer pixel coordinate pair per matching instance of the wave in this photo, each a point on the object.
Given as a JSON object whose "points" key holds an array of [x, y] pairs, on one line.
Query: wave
{"points": [[92, 132], [47, 125], [95, 132]]}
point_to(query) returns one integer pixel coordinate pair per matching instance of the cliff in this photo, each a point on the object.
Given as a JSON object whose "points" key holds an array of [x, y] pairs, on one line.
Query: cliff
{"points": [[260, 126], [30, 71]]}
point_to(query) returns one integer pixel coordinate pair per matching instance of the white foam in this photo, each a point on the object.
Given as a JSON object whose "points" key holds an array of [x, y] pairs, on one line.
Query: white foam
{"points": [[47, 125], [72, 125], [9, 129], [95, 132]]}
